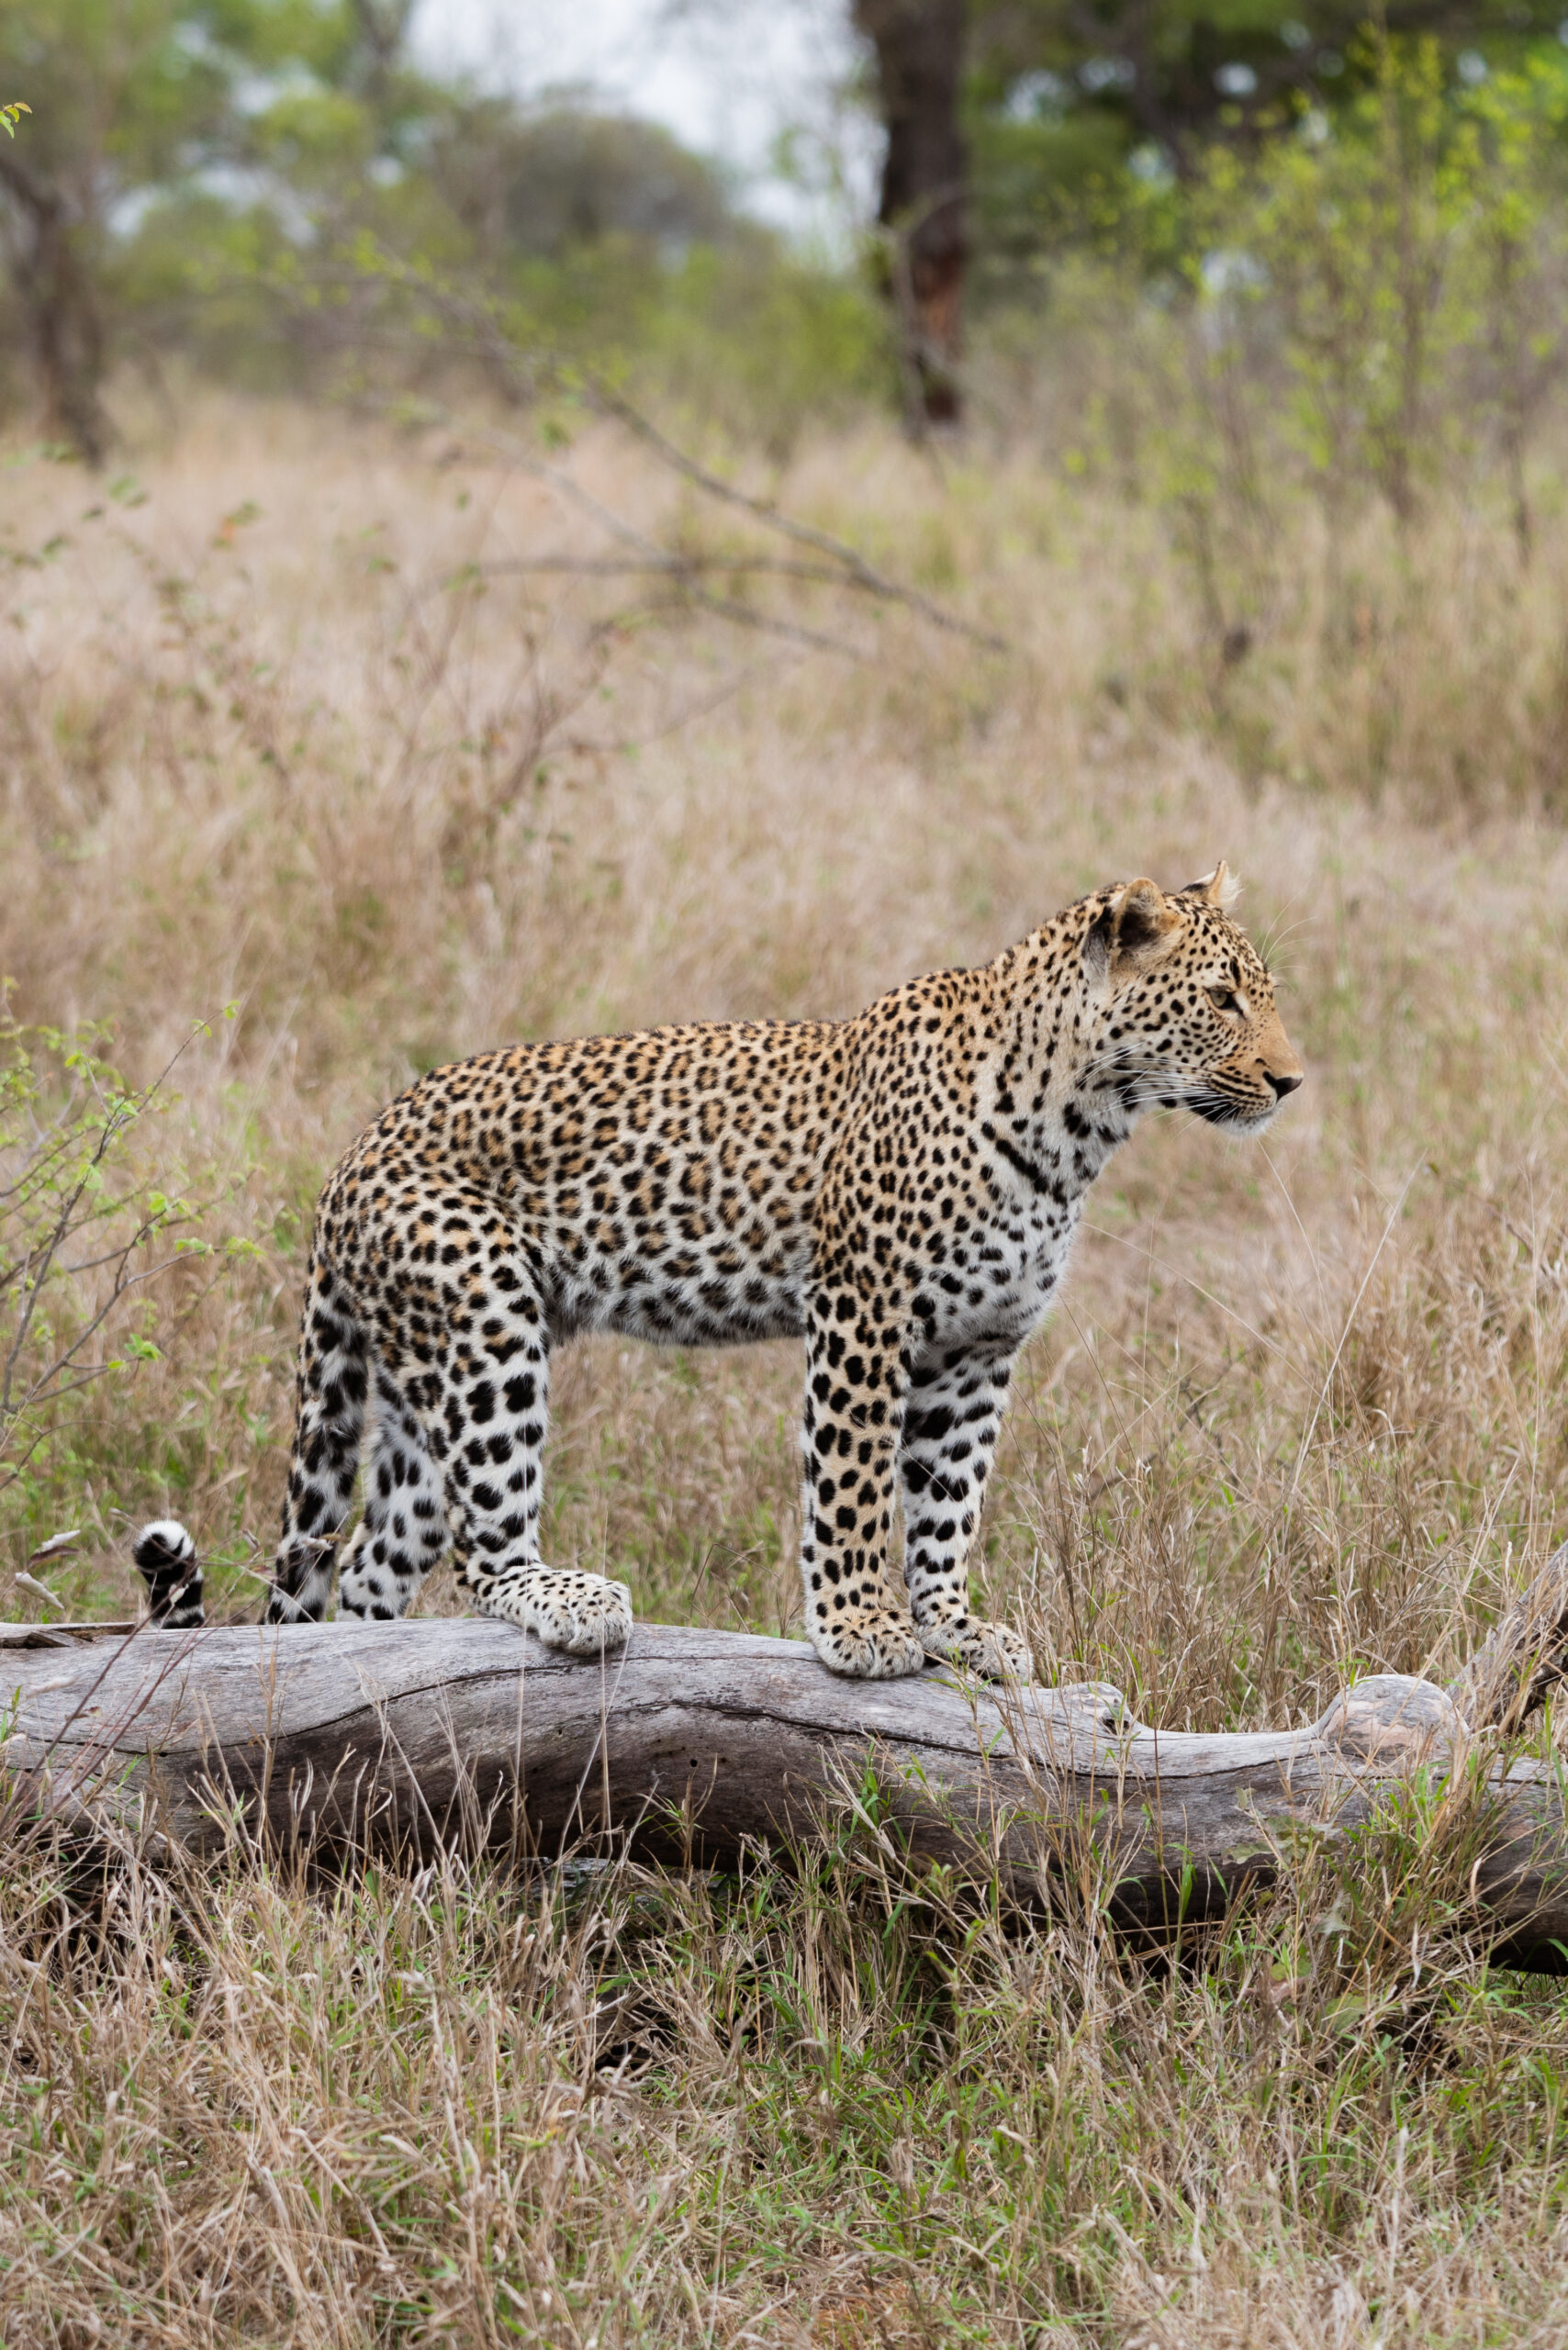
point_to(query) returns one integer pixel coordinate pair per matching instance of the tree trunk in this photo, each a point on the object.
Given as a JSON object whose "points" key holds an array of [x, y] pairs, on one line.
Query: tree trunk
{"points": [[919, 47], [339, 1736], [383, 28], [61, 305]]}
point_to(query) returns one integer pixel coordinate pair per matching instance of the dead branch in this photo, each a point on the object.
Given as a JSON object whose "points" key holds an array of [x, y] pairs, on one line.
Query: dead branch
{"points": [[417, 1733], [519, 374]]}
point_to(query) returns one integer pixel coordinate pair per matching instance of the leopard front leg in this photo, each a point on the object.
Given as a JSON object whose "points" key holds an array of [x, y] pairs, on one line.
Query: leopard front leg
{"points": [[952, 1417], [857, 1618]]}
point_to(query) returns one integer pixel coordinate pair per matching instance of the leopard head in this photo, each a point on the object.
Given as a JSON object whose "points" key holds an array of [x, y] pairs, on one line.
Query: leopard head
{"points": [[1186, 1012]]}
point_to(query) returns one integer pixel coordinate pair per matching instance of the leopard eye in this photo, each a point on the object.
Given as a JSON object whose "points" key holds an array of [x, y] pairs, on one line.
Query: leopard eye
{"points": [[1224, 1000]]}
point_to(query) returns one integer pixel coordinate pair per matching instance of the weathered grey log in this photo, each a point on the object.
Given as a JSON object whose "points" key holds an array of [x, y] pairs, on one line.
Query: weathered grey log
{"points": [[431, 1730]]}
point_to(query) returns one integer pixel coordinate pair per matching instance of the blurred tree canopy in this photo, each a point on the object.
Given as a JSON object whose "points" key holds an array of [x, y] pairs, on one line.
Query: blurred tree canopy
{"points": [[1065, 97], [1070, 84], [186, 159], [196, 176], [134, 101], [1015, 126], [541, 184]]}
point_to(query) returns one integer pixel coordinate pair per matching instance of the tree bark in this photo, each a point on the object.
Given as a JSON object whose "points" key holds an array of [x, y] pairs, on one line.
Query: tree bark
{"points": [[383, 29], [60, 306], [334, 1738], [919, 47]]}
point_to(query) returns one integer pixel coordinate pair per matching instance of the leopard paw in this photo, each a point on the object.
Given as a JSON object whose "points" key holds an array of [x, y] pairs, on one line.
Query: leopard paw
{"points": [[993, 1652], [583, 1615], [879, 1645]]}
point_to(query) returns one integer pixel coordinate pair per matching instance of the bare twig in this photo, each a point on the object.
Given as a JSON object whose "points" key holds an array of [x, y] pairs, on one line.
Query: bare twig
{"points": [[856, 571], [680, 565], [790, 630], [652, 559], [48, 1205], [518, 376]]}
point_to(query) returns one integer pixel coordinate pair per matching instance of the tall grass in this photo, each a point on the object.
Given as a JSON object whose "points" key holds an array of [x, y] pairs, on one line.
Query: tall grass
{"points": [[278, 740]]}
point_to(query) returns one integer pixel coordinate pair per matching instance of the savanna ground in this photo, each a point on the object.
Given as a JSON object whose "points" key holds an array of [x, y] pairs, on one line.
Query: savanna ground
{"points": [[306, 787]]}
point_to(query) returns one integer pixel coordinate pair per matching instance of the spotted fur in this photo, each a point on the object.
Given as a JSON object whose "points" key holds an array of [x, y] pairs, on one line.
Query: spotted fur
{"points": [[901, 1190]]}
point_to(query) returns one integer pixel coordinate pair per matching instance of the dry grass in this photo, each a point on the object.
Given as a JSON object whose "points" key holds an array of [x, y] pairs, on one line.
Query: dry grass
{"points": [[1301, 1414]]}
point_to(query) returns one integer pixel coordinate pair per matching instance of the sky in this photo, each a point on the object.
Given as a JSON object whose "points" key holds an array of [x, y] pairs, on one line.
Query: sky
{"points": [[737, 79]]}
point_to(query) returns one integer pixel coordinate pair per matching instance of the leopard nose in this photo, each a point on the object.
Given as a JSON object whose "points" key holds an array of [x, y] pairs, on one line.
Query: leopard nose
{"points": [[1283, 1085]]}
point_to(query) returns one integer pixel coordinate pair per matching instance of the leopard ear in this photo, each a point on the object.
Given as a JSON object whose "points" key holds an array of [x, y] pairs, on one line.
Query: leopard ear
{"points": [[1131, 932], [1144, 918], [1220, 889]]}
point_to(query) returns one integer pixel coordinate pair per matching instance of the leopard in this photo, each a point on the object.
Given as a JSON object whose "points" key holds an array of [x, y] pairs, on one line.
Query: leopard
{"points": [[901, 1190]]}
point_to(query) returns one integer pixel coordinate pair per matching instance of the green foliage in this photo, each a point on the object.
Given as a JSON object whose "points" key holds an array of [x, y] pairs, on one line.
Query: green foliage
{"points": [[600, 239], [736, 334], [1369, 307], [123, 92], [134, 100], [548, 184], [1391, 248], [222, 162], [1060, 102], [85, 1228]]}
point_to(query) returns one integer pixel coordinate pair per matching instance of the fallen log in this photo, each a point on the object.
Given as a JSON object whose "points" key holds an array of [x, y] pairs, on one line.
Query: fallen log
{"points": [[336, 1737]]}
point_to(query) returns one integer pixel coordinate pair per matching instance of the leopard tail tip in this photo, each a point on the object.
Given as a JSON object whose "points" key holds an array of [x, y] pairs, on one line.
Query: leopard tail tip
{"points": [[166, 1560]]}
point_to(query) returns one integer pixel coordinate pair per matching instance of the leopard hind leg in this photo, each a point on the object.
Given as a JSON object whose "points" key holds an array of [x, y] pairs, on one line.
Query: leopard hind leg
{"points": [[494, 1486], [485, 1408], [331, 1383], [403, 1531]]}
